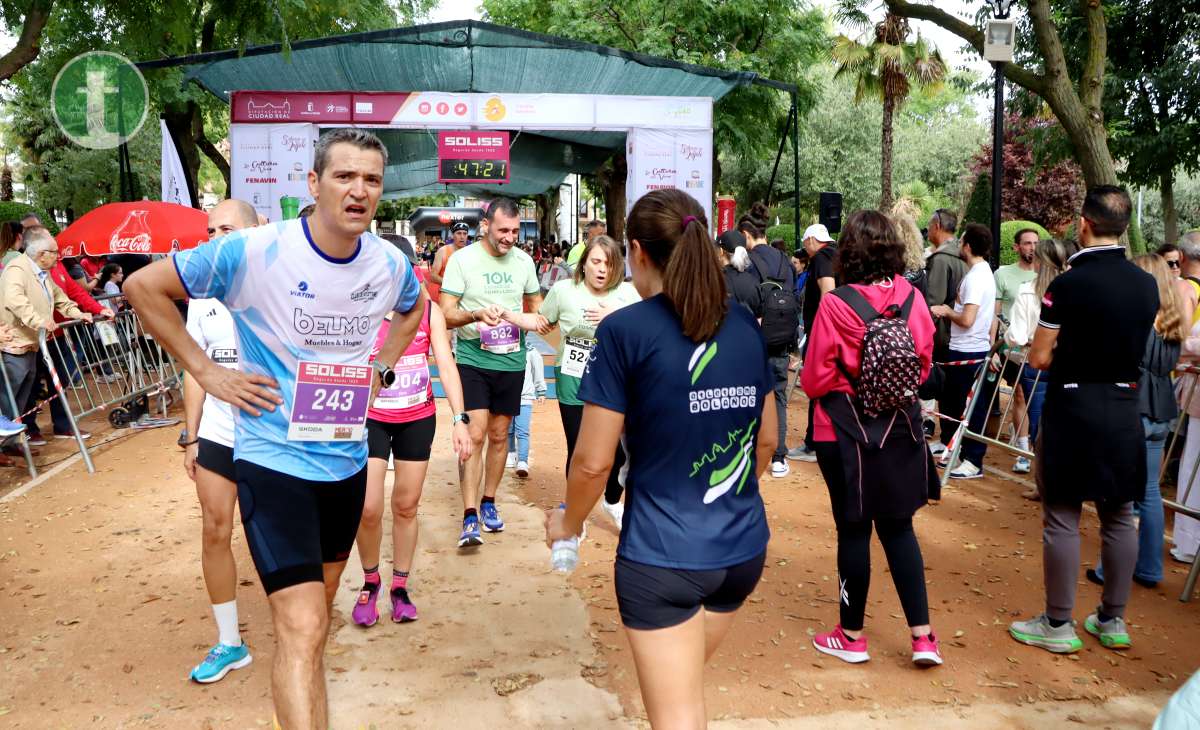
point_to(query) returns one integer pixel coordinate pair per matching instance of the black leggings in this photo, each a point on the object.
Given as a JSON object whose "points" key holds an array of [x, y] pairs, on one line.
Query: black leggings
{"points": [[854, 551], [572, 417]]}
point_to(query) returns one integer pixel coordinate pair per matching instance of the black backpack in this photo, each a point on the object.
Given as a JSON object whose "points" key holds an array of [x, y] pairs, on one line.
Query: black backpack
{"points": [[780, 312], [890, 369]]}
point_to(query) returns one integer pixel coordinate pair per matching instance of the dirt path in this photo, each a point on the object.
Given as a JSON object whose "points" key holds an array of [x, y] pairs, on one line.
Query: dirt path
{"points": [[105, 612]]}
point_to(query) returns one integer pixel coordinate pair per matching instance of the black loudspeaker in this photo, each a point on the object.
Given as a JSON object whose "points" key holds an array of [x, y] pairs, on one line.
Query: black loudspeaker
{"points": [[830, 214]]}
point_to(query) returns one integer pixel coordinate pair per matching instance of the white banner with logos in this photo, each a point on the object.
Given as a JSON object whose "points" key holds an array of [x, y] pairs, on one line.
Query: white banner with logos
{"points": [[174, 181], [659, 159], [269, 161]]}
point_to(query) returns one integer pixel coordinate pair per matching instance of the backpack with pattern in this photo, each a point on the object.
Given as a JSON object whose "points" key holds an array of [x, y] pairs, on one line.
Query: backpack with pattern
{"points": [[890, 369]]}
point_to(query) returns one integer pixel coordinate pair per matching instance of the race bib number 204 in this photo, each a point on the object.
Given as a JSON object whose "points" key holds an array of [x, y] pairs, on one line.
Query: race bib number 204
{"points": [[330, 402]]}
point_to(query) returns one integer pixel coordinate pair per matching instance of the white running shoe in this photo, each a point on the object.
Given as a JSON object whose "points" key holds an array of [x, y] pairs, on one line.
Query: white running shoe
{"points": [[780, 469], [937, 448], [523, 469], [511, 461], [615, 512], [966, 470], [1022, 465]]}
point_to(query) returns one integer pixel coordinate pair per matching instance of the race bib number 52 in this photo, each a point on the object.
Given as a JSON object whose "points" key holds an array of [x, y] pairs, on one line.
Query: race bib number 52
{"points": [[330, 402]]}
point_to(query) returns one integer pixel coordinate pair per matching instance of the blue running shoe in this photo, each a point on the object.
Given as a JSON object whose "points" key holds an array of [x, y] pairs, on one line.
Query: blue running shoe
{"points": [[491, 517], [470, 533], [10, 428], [220, 660]]}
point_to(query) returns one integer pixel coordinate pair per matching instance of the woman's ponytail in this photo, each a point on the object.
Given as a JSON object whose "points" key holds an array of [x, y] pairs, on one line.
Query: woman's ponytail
{"points": [[670, 226]]}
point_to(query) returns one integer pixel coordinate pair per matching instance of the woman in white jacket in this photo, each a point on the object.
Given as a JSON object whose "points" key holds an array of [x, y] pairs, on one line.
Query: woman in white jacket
{"points": [[1050, 260]]}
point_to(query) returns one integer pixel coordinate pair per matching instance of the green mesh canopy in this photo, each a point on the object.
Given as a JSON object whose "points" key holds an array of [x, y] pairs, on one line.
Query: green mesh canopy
{"points": [[464, 56]]}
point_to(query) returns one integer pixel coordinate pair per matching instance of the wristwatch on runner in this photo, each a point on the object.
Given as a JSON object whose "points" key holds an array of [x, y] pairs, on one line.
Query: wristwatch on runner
{"points": [[387, 376], [461, 417]]}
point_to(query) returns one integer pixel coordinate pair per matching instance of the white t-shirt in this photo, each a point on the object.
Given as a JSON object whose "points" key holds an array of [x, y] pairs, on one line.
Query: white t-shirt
{"points": [[291, 302], [211, 326], [977, 287]]}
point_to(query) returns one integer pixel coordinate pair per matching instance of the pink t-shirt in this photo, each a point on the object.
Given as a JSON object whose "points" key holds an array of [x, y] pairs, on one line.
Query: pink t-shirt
{"points": [[411, 397], [837, 335]]}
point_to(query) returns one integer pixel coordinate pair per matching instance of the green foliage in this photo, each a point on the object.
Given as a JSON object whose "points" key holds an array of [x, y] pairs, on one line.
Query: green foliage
{"points": [[777, 39], [1187, 206], [1137, 242], [1008, 230], [13, 211], [785, 231], [979, 205]]}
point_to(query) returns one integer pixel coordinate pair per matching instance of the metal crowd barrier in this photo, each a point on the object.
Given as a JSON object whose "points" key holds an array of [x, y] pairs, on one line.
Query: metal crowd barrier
{"points": [[107, 365], [1000, 360], [1180, 505]]}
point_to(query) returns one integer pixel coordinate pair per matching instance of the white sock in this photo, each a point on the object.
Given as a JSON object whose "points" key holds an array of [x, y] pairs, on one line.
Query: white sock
{"points": [[225, 615], [1023, 443]]}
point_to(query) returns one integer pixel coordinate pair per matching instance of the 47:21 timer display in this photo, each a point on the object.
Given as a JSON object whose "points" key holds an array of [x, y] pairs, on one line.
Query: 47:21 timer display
{"points": [[473, 170]]}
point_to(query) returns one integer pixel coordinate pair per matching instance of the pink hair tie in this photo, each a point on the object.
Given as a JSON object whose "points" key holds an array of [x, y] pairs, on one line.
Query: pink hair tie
{"points": [[683, 226]]}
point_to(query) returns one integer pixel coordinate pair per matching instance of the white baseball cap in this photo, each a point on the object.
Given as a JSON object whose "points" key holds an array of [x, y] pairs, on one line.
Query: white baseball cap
{"points": [[817, 231]]}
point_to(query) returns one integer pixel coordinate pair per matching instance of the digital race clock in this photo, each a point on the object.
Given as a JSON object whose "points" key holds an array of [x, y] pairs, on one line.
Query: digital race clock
{"points": [[473, 156]]}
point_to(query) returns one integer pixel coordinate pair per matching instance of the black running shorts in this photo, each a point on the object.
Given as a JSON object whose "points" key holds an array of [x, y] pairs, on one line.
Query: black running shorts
{"points": [[495, 391], [658, 598], [294, 526], [217, 458], [412, 441]]}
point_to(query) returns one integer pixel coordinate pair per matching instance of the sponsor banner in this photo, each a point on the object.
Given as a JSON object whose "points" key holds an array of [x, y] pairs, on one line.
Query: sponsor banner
{"points": [[269, 161], [377, 108], [536, 111], [659, 160], [174, 181], [434, 109], [265, 107], [653, 112], [473, 156]]}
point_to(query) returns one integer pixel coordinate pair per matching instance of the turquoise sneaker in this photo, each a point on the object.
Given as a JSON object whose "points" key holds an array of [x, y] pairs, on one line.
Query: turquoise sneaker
{"points": [[220, 660]]}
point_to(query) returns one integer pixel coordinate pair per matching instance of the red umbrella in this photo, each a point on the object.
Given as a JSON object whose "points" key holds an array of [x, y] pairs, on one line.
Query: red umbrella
{"points": [[145, 226]]}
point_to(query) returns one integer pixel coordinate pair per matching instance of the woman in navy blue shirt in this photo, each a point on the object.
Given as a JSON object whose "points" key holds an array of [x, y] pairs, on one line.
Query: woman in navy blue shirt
{"points": [[685, 377]]}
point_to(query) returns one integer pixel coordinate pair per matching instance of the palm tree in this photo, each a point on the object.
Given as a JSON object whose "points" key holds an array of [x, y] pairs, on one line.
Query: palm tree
{"points": [[885, 66]]}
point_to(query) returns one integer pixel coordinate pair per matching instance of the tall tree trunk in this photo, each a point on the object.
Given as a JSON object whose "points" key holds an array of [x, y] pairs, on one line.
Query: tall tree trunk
{"points": [[885, 183], [1170, 214], [29, 44], [614, 195]]}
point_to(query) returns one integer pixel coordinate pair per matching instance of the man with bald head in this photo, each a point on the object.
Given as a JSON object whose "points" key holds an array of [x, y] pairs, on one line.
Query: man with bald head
{"points": [[208, 459]]}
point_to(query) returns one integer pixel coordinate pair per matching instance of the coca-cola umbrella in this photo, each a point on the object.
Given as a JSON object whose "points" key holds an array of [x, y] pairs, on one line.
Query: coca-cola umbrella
{"points": [[145, 226]]}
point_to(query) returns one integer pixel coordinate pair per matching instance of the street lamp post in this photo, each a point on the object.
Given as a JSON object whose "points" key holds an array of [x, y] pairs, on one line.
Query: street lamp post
{"points": [[998, 48]]}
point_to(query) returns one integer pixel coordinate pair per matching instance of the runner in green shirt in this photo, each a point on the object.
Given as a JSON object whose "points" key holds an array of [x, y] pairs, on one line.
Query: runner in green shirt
{"points": [[577, 306], [594, 228], [1008, 280], [484, 292]]}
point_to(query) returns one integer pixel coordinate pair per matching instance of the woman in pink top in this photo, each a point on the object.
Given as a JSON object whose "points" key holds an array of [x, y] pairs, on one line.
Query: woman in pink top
{"points": [[873, 458], [401, 423]]}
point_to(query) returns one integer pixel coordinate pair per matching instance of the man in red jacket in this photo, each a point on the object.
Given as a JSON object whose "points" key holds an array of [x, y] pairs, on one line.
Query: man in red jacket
{"points": [[64, 358]]}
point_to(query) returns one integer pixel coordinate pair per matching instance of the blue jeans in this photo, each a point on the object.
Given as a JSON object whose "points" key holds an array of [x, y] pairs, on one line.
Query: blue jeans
{"points": [[1034, 397], [1150, 510], [518, 432]]}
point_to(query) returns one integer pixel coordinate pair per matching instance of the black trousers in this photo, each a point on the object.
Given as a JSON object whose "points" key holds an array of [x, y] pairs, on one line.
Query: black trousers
{"points": [[900, 546], [572, 417]]}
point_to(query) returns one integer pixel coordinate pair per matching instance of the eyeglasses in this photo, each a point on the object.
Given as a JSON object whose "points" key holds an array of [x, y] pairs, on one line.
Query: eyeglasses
{"points": [[1173, 264]]}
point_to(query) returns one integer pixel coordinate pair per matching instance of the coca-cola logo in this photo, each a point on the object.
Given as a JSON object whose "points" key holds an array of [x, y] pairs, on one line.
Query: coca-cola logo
{"points": [[690, 151], [293, 143], [133, 235]]}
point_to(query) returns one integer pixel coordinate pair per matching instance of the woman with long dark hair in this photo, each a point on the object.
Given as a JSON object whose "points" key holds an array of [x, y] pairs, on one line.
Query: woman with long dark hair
{"points": [[872, 456], [685, 376]]}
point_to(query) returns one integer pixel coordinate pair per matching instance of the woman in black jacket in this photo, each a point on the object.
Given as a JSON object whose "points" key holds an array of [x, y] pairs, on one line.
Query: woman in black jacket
{"points": [[742, 283]]}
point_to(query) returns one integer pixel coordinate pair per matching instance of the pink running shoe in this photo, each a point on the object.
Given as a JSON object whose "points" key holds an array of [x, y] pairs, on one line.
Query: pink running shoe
{"points": [[925, 651], [365, 613], [403, 609], [836, 643]]}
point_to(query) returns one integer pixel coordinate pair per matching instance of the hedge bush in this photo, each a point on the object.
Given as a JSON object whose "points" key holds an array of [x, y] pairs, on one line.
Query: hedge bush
{"points": [[786, 231], [10, 210], [1008, 229]]}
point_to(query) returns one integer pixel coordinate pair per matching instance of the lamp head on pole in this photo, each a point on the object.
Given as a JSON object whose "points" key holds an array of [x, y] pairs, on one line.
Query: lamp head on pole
{"points": [[1000, 34]]}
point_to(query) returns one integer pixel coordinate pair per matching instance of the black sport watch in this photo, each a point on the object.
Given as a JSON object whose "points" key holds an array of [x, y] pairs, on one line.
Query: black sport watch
{"points": [[461, 418], [387, 376]]}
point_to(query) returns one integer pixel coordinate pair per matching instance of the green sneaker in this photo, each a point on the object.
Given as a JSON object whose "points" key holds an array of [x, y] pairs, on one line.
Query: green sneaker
{"points": [[1038, 632], [1111, 633]]}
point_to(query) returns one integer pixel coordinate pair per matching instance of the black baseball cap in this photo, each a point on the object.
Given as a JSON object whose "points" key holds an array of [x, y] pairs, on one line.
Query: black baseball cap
{"points": [[730, 240], [459, 226]]}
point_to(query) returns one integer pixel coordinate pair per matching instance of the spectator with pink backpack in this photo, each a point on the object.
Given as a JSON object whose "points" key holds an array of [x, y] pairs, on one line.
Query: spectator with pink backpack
{"points": [[870, 348]]}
